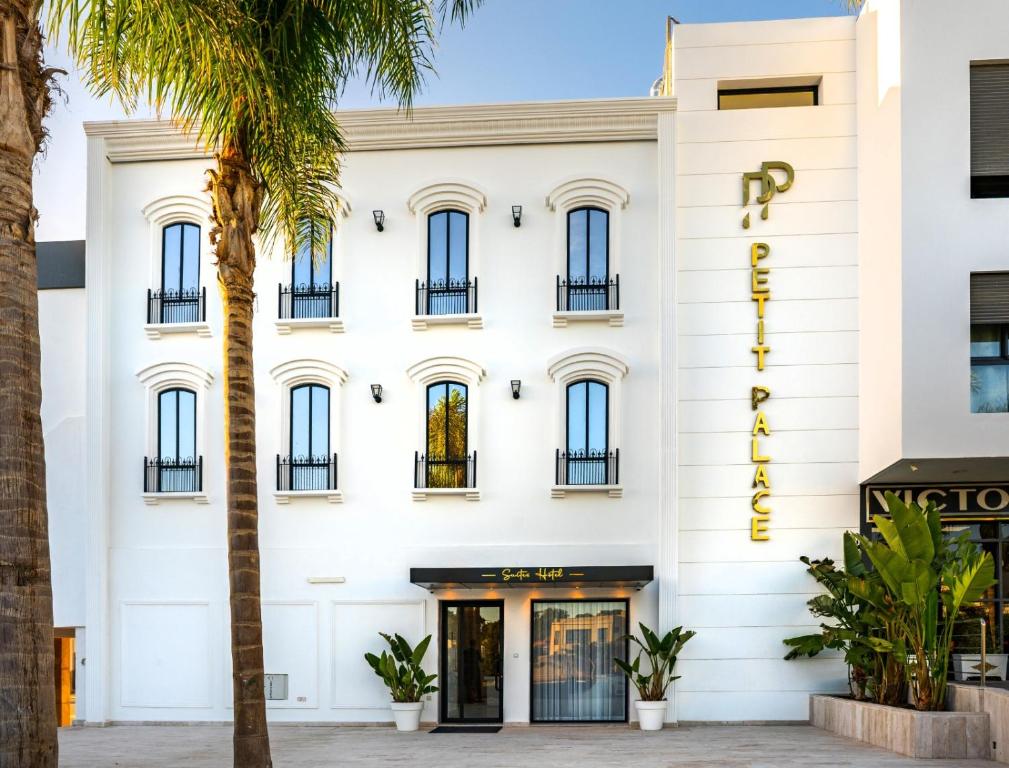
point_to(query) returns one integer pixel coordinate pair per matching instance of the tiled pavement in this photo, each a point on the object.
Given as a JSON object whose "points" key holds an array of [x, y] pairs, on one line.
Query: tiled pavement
{"points": [[209, 746]]}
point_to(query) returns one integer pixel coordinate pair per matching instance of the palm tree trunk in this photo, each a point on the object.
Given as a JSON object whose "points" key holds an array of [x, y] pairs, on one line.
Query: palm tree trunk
{"points": [[27, 694], [237, 198]]}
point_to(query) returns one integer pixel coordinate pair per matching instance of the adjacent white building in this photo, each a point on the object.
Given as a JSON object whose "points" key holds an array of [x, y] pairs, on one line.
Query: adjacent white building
{"points": [[546, 386]]}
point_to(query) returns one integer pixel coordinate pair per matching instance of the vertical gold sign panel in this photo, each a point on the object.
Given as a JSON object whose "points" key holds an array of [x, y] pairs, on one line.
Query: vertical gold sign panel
{"points": [[760, 294]]}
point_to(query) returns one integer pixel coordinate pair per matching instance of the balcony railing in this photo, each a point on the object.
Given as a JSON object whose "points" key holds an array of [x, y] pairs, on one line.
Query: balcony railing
{"points": [[446, 297], [303, 301], [306, 473], [588, 467], [442, 472], [164, 475], [587, 295], [189, 306]]}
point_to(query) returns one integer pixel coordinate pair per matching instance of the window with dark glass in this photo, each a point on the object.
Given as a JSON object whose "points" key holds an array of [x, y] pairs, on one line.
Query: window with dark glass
{"points": [[179, 300], [989, 342], [762, 98], [587, 286], [176, 467], [587, 434], [312, 293], [309, 466], [448, 289], [447, 428], [574, 643], [993, 537], [989, 126]]}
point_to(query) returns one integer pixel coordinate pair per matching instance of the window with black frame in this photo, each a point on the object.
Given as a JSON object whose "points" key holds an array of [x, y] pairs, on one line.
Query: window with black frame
{"points": [[176, 468], [309, 466], [993, 537], [574, 643], [448, 289], [446, 463], [989, 342], [312, 292], [989, 125], [179, 299], [587, 459], [587, 286]]}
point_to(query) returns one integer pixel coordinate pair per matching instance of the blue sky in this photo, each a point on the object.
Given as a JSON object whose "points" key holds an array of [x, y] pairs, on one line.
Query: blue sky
{"points": [[510, 50]]}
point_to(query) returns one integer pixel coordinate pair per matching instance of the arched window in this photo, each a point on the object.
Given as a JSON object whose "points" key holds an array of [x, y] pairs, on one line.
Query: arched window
{"points": [[177, 467], [310, 466], [312, 291], [448, 289], [180, 274], [447, 435], [588, 277], [587, 433]]}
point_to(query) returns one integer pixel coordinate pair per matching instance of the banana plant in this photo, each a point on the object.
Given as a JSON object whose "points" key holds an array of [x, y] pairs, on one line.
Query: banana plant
{"points": [[922, 573], [856, 628], [661, 654], [401, 669]]}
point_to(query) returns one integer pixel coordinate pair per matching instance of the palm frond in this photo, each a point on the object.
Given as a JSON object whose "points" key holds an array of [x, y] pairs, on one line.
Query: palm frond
{"points": [[261, 75]]}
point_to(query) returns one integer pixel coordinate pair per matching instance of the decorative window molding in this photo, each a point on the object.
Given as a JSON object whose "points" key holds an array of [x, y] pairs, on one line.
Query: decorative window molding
{"points": [[160, 213], [452, 194], [295, 373], [433, 370], [158, 378], [584, 364], [440, 195], [591, 192]]}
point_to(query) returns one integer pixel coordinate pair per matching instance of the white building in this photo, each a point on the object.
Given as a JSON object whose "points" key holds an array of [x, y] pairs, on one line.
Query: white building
{"points": [[722, 390]]}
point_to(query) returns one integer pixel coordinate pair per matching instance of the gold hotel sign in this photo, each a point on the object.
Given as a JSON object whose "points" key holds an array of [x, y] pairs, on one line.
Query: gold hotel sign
{"points": [[760, 295]]}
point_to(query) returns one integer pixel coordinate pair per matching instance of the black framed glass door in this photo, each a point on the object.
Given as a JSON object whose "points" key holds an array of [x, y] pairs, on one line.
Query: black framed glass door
{"points": [[471, 661]]}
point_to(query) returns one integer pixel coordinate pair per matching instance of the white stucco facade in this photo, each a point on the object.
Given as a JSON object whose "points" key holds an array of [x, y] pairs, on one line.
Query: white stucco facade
{"points": [[863, 237]]}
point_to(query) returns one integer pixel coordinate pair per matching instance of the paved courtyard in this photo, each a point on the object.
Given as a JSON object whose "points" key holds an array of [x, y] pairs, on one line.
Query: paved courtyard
{"points": [[209, 746]]}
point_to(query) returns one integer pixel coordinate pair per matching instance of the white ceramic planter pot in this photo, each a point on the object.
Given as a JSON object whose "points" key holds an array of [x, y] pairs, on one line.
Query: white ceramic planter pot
{"points": [[407, 716], [651, 714]]}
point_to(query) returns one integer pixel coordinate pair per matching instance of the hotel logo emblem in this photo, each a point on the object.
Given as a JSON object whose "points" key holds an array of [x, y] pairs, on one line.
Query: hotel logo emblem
{"points": [[768, 186]]}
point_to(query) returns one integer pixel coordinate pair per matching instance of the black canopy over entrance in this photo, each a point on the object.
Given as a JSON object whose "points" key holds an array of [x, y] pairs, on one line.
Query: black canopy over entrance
{"points": [[629, 576], [975, 488]]}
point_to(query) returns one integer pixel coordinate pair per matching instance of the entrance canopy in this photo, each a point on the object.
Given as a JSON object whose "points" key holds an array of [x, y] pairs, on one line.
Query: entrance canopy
{"points": [[629, 576], [960, 487]]}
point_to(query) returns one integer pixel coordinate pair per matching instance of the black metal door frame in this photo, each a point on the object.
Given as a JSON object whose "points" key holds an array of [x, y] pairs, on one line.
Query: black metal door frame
{"points": [[443, 606]]}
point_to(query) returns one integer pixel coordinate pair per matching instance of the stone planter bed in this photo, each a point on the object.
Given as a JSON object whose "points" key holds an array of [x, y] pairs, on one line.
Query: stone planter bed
{"points": [[948, 735]]}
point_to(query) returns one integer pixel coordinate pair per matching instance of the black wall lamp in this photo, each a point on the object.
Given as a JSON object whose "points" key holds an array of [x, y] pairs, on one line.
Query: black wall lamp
{"points": [[379, 220], [516, 388], [517, 215], [376, 392]]}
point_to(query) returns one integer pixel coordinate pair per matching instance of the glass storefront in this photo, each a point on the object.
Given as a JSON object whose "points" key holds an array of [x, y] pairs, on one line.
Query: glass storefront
{"points": [[574, 643], [993, 537]]}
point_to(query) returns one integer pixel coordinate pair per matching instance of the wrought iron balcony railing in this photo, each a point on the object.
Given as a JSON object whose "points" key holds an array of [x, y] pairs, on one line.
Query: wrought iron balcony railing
{"points": [[306, 473], [303, 301], [587, 295], [446, 297], [165, 475], [588, 467], [189, 306], [443, 472]]}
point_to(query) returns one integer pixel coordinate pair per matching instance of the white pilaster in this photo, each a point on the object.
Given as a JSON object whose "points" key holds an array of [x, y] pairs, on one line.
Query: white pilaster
{"points": [[668, 559], [97, 456]]}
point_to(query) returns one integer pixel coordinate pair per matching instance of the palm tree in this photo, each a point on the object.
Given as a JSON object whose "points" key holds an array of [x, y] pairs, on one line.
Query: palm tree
{"points": [[27, 693], [257, 80]]}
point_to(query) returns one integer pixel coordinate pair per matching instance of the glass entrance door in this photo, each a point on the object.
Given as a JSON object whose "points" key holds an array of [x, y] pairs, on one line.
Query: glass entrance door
{"points": [[472, 640]]}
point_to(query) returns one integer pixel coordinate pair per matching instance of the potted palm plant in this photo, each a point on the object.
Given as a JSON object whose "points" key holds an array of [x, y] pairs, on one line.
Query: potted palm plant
{"points": [[407, 681], [660, 654]]}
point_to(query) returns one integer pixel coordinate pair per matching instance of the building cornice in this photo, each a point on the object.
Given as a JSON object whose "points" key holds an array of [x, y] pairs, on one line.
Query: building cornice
{"points": [[546, 122]]}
